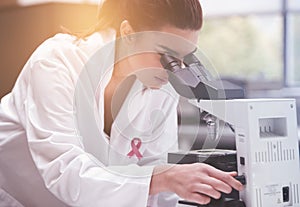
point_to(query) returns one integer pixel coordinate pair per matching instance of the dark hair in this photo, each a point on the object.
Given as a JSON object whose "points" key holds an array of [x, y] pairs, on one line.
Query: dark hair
{"points": [[149, 14]]}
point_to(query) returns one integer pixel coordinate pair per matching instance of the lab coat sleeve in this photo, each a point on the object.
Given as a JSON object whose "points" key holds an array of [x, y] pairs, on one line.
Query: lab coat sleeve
{"points": [[68, 171]]}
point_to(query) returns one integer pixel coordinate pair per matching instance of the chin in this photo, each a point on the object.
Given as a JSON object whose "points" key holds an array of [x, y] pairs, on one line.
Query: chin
{"points": [[156, 87]]}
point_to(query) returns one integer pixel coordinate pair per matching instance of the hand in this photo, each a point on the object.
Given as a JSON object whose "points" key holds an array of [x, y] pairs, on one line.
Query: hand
{"points": [[194, 182]]}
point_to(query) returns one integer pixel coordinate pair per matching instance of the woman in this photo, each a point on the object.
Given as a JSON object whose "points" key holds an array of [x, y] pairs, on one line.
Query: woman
{"points": [[68, 107]]}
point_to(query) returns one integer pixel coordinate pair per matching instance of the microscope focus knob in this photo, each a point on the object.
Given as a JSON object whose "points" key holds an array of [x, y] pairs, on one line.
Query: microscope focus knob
{"points": [[241, 178]]}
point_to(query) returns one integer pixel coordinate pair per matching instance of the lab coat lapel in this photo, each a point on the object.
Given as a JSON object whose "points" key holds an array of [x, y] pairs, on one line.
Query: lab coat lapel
{"points": [[126, 128], [87, 115]]}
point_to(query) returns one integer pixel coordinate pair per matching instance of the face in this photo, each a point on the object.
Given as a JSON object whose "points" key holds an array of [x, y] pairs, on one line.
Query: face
{"points": [[145, 61]]}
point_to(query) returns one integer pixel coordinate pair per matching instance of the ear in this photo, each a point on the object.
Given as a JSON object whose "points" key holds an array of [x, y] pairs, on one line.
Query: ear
{"points": [[126, 31]]}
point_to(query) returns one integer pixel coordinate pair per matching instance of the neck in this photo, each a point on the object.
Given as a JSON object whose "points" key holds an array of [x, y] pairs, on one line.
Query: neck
{"points": [[121, 70]]}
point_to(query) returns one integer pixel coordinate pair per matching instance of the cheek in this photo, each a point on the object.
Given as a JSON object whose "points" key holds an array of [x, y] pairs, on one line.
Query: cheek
{"points": [[149, 71], [152, 78], [144, 61]]}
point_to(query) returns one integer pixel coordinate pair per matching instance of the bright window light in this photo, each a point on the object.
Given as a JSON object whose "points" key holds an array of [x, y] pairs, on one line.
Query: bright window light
{"points": [[246, 47], [294, 5], [239, 7], [293, 75]]}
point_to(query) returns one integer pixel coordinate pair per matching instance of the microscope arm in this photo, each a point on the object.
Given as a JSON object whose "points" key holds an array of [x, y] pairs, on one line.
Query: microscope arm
{"points": [[222, 109]]}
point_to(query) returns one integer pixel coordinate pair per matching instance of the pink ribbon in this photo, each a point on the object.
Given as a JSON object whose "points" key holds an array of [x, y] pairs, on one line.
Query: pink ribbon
{"points": [[135, 146]]}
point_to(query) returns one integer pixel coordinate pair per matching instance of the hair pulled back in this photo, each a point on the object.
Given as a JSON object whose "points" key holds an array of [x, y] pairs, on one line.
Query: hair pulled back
{"points": [[150, 14]]}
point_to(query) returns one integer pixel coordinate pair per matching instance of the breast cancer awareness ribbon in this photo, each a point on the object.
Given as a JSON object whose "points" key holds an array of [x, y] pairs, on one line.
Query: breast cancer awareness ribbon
{"points": [[135, 146]]}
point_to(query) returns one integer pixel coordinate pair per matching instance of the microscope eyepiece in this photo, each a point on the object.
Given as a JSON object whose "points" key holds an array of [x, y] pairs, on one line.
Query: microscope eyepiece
{"points": [[170, 63]]}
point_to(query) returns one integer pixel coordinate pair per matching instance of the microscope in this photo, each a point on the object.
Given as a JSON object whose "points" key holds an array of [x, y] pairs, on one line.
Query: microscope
{"points": [[267, 151]]}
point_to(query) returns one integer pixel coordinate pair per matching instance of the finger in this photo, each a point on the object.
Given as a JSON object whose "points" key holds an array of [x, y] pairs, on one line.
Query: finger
{"points": [[198, 198], [227, 178], [218, 184], [206, 190], [232, 173]]}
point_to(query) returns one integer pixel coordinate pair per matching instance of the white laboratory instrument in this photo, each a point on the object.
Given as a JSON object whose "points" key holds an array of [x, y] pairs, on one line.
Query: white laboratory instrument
{"points": [[267, 148]]}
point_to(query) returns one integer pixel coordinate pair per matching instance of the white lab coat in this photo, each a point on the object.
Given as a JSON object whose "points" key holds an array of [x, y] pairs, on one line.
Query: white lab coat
{"points": [[51, 131]]}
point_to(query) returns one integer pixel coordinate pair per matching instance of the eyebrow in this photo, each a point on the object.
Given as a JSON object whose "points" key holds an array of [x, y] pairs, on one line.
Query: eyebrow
{"points": [[173, 52]]}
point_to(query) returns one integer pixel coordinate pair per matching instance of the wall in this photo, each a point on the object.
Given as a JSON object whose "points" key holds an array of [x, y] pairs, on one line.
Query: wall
{"points": [[24, 28]]}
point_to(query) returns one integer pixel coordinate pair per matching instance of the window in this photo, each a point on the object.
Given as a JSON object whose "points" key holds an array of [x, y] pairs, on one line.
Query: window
{"points": [[293, 44], [246, 47], [256, 41]]}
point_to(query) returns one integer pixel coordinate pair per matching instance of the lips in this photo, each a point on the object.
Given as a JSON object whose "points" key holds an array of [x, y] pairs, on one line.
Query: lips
{"points": [[163, 80]]}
